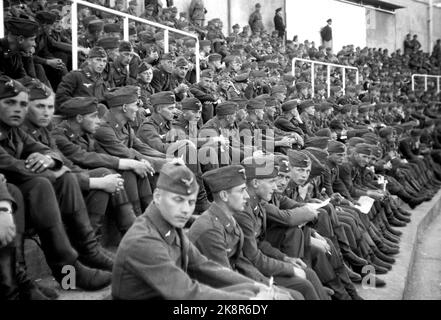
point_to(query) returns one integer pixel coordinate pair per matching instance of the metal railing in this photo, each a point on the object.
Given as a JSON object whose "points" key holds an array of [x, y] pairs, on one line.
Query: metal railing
{"points": [[425, 76], [127, 17], [328, 73]]}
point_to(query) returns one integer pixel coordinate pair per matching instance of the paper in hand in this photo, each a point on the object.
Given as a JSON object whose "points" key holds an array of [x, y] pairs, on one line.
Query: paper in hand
{"points": [[366, 204], [318, 205]]}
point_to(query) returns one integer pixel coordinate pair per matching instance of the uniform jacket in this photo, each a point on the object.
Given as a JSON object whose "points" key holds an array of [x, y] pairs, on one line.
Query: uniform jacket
{"points": [[11, 63], [153, 131], [155, 260]]}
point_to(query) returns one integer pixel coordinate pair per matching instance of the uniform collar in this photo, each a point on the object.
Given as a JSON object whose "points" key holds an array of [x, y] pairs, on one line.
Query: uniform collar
{"points": [[227, 221], [4, 131], [115, 123], [68, 130], [31, 129], [167, 231], [159, 120], [254, 203]]}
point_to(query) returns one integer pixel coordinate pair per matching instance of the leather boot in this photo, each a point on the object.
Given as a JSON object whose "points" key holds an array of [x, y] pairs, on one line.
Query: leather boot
{"points": [[355, 277], [9, 289], [353, 259], [391, 238], [340, 292], [85, 242], [59, 253], [396, 223], [379, 283], [123, 212], [404, 212], [383, 256], [349, 286]]}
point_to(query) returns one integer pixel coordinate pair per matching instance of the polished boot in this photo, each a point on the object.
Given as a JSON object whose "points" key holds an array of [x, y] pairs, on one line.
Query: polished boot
{"points": [[9, 289], [378, 262], [382, 256], [340, 292], [396, 223], [85, 242], [353, 259], [404, 212], [346, 281], [355, 277], [59, 253], [391, 237]]}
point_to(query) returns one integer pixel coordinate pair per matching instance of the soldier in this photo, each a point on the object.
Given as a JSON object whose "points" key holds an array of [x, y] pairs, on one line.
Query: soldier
{"points": [[86, 82], [162, 73], [255, 20], [204, 93], [93, 33], [15, 49], [216, 233], [34, 165], [178, 82], [118, 75], [156, 259], [279, 25], [287, 121]]}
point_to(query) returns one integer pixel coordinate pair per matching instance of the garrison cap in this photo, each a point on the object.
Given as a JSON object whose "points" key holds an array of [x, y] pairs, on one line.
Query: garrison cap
{"points": [[163, 97], [385, 132], [205, 43], [278, 89], [37, 89], [241, 102], [177, 178], [320, 154], [225, 178], [260, 167], [370, 138], [121, 96], [317, 142], [108, 43], [78, 105], [45, 17], [181, 62], [95, 26], [214, 57], [10, 88], [352, 142], [336, 124], [207, 73], [289, 105], [112, 27], [97, 52], [317, 168], [306, 104], [298, 159], [364, 148], [282, 163], [241, 77], [144, 66], [125, 46], [255, 104], [191, 104], [302, 85], [21, 27], [325, 132], [226, 108], [236, 26], [363, 108], [336, 147]]}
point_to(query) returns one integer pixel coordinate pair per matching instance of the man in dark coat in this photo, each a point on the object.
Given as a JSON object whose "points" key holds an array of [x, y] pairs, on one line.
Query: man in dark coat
{"points": [[279, 24]]}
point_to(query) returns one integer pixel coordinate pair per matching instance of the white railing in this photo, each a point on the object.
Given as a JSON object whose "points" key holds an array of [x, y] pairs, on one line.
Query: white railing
{"points": [[328, 73], [127, 17], [425, 76]]}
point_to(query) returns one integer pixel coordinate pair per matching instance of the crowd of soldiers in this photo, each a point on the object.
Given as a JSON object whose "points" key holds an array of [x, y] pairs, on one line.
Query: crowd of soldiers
{"points": [[247, 181]]}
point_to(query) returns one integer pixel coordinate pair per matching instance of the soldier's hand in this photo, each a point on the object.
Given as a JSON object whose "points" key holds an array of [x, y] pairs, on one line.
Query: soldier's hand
{"points": [[285, 142], [60, 172], [37, 162], [7, 226], [112, 183], [308, 212], [299, 272], [139, 168], [148, 167]]}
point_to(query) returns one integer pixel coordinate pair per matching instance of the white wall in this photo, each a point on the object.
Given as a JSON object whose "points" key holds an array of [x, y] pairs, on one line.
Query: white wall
{"points": [[306, 18]]}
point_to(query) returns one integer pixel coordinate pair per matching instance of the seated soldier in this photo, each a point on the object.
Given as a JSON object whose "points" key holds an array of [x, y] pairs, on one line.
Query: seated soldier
{"points": [[156, 260], [74, 138], [86, 82], [51, 194], [103, 189]]}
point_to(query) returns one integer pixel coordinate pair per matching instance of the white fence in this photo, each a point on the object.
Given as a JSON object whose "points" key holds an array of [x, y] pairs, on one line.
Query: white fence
{"points": [[328, 73], [425, 76], [127, 17]]}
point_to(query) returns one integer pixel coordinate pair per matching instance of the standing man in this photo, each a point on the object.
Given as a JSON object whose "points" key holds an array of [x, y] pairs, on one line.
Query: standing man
{"points": [[326, 34], [255, 20], [279, 25]]}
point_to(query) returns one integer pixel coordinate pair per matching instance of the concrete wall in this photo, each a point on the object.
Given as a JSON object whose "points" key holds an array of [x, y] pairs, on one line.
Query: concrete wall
{"points": [[380, 30]]}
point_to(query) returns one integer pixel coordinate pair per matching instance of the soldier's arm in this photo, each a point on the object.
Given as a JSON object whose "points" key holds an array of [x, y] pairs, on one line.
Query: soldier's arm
{"points": [[202, 96], [327, 182], [108, 141], [159, 270], [287, 217], [83, 158], [156, 81], [148, 134], [65, 89], [267, 265]]}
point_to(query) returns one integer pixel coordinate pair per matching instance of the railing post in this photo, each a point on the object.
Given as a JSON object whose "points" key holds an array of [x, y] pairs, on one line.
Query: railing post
{"points": [[126, 34], [437, 84], [2, 21], [198, 67], [328, 79], [166, 41], [425, 83], [74, 27], [343, 78], [312, 80], [413, 82], [357, 81]]}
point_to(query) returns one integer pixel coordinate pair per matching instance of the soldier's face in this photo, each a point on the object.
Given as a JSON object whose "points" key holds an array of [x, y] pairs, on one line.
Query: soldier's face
{"points": [[237, 198], [259, 114], [130, 111], [125, 57], [270, 111], [362, 159], [167, 65], [40, 112], [282, 181], [175, 208], [266, 188], [146, 76], [337, 158], [310, 110], [181, 71], [98, 64], [300, 175], [192, 115], [90, 122], [26, 44], [13, 110], [168, 111]]}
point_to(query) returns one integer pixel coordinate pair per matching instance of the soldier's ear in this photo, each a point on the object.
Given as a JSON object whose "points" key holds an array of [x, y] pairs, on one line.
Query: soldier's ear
{"points": [[79, 118], [124, 108], [223, 195]]}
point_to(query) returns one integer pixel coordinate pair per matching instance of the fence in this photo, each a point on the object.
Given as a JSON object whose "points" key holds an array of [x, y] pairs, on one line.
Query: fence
{"points": [[425, 76], [328, 73]]}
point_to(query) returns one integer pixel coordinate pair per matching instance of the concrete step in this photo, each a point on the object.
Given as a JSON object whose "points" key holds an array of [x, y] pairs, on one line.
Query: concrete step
{"points": [[397, 280]]}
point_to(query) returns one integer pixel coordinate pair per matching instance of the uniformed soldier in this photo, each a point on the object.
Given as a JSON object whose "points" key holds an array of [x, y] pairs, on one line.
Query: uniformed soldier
{"points": [[34, 164], [15, 50], [255, 20], [155, 258], [288, 119], [204, 93], [86, 82], [118, 74], [162, 73], [94, 30]]}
